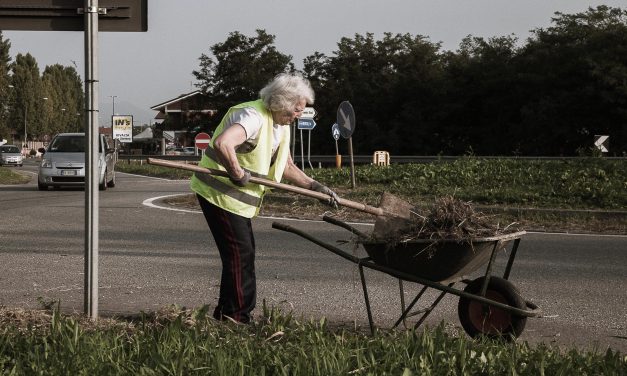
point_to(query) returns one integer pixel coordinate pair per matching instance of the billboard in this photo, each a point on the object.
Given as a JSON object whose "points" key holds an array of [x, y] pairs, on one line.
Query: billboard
{"points": [[122, 128]]}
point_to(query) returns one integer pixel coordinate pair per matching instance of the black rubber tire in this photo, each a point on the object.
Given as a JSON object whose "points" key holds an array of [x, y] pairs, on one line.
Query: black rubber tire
{"points": [[111, 183], [42, 187], [479, 319], [103, 186]]}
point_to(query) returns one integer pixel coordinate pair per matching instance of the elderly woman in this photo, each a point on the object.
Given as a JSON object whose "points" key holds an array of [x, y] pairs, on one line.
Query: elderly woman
{"points": [[253, 139]]}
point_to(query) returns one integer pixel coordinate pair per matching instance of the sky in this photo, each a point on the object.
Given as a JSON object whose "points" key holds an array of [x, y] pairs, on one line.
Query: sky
{"points": [[138, 70]]}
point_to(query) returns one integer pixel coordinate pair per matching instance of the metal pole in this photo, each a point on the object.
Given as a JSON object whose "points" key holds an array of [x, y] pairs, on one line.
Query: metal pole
{"points": [[350, 151], [25, 112], [302, 152], [91, 160], [309, 150]]}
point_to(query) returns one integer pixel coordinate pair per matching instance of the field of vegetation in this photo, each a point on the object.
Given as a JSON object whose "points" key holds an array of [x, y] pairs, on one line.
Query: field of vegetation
{"points": [[583, 194], [179, 342]]}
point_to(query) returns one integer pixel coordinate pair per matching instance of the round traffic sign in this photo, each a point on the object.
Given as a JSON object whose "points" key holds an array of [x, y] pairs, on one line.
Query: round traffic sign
{"points": [[202, 140], [346, 119]]}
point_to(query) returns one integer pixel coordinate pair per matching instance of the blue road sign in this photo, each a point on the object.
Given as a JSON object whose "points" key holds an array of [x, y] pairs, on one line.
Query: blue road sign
{"points": [[306, 124]]}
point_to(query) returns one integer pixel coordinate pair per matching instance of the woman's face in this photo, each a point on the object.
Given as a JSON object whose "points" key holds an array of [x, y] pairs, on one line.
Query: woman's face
{"points": [[287, 117]]}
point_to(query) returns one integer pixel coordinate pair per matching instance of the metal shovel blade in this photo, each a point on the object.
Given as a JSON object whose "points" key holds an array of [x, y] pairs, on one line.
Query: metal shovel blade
{"points": [[386, 225]]}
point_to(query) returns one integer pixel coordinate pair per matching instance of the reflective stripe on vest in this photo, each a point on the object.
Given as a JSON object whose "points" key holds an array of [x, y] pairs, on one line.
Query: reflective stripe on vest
{"points": [[228, 190], [211, 154]]}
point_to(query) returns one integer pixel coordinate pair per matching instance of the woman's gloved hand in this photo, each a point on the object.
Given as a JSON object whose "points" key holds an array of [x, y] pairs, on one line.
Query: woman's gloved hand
{"points": [[333, 199], [242, 181]]}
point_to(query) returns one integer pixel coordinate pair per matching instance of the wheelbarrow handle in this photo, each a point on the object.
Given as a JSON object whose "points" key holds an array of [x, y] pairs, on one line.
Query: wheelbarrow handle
{"points": [[345, 225], [273, 184], [337, 251]]}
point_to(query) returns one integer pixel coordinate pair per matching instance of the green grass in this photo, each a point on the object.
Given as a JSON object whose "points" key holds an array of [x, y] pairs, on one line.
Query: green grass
{"points": [[585, 183], [188, 342], [9, 176]]}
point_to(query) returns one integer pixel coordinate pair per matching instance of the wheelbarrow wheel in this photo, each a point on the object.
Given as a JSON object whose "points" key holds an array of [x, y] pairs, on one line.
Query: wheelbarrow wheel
{"points": [[480, 319]]}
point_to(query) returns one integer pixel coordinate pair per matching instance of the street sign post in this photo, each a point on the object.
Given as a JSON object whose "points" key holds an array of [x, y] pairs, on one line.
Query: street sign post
{"points": [[202, 140], [82, 15], [306, 122]]}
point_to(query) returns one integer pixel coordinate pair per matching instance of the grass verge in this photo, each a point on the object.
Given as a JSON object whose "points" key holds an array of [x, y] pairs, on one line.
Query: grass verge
{"points": [[8, 176], [177, 342]]}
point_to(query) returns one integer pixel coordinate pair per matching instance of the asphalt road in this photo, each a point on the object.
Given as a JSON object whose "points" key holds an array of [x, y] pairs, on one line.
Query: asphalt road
{"points": [[151, 257]]}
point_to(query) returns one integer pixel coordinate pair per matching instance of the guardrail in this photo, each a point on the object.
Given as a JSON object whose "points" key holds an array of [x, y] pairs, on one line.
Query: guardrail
{"points": [[329, 160]]}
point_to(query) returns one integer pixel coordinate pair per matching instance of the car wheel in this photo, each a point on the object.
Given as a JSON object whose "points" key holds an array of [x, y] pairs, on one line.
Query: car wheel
{"points": [[479, 319], [111, 183], [42, 187], [103, 186]]}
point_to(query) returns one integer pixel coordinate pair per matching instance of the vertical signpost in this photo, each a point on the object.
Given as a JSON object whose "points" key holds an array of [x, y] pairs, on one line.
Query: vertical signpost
{"points": [[90, 17], [346, 124], [307, 122]]}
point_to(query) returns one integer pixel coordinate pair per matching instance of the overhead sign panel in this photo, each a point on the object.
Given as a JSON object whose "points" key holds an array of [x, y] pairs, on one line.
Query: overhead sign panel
{"points": [[68, 15]]}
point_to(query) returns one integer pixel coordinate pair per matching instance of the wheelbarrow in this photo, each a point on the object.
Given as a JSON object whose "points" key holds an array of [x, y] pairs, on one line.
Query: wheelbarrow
{"points": [[488, 305]]}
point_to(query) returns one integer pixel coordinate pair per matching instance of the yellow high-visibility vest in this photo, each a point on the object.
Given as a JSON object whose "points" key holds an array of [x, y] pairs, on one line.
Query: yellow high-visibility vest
{"points": [[220, 191]]}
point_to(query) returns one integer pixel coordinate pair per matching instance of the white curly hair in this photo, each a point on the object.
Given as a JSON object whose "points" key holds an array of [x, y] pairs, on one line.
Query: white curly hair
{"points": [[285, 90]]}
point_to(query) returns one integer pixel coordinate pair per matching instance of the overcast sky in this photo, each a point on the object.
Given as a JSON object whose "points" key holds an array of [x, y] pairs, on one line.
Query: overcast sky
{"points": [[145, 69]]}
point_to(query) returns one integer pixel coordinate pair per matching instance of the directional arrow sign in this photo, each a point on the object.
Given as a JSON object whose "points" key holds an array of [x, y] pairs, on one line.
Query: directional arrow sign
{"points": [[346, 119], [306, 124], [602, 143], [308, 113]]}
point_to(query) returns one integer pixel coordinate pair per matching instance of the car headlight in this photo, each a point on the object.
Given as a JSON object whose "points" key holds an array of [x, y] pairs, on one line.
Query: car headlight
{"points": [[46, 163]]}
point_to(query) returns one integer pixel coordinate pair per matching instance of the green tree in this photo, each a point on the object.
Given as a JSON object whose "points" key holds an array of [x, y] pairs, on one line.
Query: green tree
{"points": [[29, 103], [574, 74], [391, 83], [6, 93], [63, 109], [239, 68]]}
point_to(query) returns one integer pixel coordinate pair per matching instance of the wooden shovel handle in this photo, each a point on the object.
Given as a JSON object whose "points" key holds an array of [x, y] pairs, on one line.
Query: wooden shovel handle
{"points": [[270, 183]]}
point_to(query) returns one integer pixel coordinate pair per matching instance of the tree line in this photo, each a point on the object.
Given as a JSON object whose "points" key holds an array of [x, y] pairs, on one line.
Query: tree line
{"points": [[35, 104], [547, 95]]}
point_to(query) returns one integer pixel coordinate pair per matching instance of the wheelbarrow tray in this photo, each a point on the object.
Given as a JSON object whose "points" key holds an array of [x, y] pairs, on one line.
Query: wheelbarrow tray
{"points": [[441, 260]]}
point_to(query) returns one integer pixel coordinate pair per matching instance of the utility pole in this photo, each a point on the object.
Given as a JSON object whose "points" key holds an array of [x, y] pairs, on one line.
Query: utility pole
{"points": [[113, 108]]}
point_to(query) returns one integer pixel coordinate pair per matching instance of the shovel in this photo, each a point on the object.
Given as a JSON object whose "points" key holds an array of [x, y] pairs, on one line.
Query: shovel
{"points": [[392, 213]]}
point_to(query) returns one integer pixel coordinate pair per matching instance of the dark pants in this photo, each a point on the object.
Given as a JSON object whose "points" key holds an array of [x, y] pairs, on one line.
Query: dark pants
{"points": [[233, 235]]}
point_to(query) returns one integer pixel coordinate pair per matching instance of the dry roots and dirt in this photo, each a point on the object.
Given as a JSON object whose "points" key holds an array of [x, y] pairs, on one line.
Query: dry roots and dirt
{"points": [[448, 218]]}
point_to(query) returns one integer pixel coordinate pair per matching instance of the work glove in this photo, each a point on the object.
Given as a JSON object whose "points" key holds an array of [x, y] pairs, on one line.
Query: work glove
{"points": [[333, 199], [241, 181]]}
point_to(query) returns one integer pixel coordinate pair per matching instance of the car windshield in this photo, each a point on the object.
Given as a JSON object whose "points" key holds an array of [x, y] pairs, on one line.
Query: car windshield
{"points": [[68, 144], [9, 149]]}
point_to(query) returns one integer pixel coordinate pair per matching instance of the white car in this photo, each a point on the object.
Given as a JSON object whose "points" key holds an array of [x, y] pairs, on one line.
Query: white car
{"points": [[10, 156], [63, 162]]}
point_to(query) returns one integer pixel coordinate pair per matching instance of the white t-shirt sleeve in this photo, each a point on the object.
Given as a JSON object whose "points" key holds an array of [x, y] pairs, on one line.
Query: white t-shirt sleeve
{"points": [[248, 118]]}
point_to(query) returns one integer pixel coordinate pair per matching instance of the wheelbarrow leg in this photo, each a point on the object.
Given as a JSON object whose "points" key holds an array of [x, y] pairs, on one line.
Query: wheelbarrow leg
{"points": [[510, 261], [430, 309], [365, 289], [488, 271], [405, 311]]}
